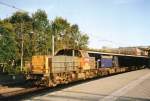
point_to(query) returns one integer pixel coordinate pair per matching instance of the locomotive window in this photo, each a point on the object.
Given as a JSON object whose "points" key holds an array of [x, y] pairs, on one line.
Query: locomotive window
{"points": [[91, 55], [77, 53], [97, 56], [61, 52], [66, 52]]}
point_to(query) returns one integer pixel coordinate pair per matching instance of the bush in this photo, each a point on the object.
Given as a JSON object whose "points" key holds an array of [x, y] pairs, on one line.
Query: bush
{"points": [[13, 70]]}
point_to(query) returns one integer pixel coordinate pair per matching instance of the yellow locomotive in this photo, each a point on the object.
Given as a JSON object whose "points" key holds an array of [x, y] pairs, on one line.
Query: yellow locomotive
{"points": [[69, 65]]}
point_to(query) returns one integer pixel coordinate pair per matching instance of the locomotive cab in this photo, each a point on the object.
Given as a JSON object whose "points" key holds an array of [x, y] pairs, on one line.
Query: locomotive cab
{"points": [[85, 61]]}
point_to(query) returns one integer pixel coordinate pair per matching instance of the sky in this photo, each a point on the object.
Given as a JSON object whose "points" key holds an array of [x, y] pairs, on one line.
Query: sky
{"points": [[110, 23]]}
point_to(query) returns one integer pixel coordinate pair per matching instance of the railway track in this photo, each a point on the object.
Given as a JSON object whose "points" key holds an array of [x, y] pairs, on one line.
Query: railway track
{"points": [[12, 84], [35, 91], [18, 94]]}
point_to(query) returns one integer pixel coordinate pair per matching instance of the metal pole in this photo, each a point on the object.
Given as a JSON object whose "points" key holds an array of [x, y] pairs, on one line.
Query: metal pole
{"points": [[53, 45], [21, 48]]}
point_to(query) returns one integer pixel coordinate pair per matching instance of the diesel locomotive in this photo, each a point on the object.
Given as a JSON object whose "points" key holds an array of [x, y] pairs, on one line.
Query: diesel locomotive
{"points": [[69, 65]]}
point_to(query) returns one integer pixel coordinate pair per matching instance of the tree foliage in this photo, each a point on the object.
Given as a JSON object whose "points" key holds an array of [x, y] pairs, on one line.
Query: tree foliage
{"points": [[67, 35], [8, 47], [42, 31], [36, 32]]}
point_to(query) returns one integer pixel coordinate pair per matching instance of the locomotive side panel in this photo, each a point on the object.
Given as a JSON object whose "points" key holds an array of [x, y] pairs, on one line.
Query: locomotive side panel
{"points": [[87, 63], [64, 64], [38, 64]]}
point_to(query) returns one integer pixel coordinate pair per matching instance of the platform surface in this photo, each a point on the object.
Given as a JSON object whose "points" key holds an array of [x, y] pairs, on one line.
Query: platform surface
{"points": [[130, 86]]}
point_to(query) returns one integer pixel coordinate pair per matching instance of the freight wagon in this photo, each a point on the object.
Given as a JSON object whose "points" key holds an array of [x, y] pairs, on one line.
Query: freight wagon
{"points": [[69, 65]]}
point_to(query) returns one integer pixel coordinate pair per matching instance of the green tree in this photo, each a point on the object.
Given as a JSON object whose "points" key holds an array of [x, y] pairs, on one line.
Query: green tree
{"points": [[22, 26], [60, 29], [42, 30], [19, 17], [67, 35], [83, 41], [8, 46]]}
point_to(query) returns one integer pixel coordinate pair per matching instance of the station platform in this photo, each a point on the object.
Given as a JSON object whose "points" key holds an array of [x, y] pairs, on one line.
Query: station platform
{"points": [[129, 86]]}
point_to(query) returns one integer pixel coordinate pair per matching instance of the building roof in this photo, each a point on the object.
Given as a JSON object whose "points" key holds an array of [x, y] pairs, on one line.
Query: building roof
{"points": [[104, 53]]}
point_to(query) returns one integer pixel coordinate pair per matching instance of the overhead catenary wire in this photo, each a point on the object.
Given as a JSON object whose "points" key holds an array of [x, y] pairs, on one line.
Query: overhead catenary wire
{"points": [[12, 6]]}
